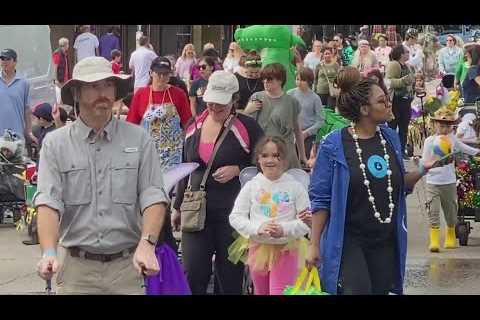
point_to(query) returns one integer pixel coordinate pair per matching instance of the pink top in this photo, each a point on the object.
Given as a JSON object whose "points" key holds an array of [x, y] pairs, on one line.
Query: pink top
{"points": [[205, 151]]}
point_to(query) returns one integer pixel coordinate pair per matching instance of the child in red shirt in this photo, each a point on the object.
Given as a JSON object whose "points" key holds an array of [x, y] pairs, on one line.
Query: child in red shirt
{"points": [[116, 61]]}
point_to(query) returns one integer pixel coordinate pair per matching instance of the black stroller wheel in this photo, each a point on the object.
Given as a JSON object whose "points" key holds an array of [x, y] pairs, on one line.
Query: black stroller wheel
{"points": [[462, 233]]}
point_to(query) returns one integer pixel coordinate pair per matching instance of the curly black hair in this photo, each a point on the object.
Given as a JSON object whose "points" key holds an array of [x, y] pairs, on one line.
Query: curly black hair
{"points": [[354, 92]]}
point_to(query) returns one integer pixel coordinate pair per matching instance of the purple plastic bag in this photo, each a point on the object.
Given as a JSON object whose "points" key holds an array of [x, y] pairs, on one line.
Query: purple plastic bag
{"points": [[171, 279]]}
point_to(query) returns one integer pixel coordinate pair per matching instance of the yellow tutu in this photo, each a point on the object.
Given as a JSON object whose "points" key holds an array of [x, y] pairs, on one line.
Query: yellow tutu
{"points": [[263, 257]]}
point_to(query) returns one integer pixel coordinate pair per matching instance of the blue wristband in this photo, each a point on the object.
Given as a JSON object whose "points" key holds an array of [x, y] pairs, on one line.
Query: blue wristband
{"points": [[50, 253]]}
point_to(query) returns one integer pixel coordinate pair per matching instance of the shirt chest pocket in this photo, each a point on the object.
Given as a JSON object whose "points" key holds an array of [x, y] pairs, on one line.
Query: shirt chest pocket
{"points": [[125, 178], [77, 183]]}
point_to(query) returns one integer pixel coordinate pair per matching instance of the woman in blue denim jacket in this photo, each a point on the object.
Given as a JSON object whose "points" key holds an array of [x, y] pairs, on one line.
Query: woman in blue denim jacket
{"points": [[358, 194]]}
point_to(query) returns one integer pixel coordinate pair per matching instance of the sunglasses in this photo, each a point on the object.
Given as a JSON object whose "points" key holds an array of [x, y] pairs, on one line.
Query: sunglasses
{"points": [[5, 59], [202, 67]]}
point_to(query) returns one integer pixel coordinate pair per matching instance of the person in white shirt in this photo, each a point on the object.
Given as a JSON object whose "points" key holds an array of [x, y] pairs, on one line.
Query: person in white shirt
{"points": [[441, 187], [312, 59], [415, 50], [232, 60], [267, 213], [140, 62], [86, 44], [382, 52], [465, 131]]}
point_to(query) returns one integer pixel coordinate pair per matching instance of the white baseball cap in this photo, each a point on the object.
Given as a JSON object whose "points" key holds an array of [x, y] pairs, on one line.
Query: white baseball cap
{"points": [[221, 87]]}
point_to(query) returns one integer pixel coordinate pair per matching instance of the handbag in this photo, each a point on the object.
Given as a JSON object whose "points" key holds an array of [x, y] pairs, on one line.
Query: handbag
{"points": [[194, 206], [332, 90], [312, 286]]}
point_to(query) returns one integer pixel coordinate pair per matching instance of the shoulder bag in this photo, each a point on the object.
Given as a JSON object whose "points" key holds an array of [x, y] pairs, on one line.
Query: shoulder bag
{"points": [[193, 209]]}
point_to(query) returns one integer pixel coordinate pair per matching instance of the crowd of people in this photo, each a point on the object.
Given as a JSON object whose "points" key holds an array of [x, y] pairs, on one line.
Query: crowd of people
{"points": [[101, 198]]}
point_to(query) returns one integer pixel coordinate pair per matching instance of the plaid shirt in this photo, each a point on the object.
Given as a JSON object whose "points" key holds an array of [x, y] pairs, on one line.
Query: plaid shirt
{"points": [[392, 36]]}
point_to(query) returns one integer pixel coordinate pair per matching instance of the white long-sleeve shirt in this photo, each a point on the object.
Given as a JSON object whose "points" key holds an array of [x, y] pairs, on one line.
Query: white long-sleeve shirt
{"points": [[465, 129], [416, 56], [262, 200], [446, 174]]}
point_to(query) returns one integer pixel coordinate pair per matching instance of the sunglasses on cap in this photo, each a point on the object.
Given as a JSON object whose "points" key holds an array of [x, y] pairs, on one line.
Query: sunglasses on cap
{"points": [[252, 63]]}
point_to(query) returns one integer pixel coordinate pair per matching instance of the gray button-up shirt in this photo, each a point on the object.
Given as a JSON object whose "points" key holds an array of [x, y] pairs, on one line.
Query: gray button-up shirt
{"points": [[99, 186]]}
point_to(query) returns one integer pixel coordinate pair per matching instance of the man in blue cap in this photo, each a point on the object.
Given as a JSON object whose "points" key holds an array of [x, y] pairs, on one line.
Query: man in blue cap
{"points": [[14, 98]]}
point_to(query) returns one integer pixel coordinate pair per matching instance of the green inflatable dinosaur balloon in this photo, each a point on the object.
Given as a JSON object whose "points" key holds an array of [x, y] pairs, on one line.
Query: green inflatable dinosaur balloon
{"points": [[274, 42]]}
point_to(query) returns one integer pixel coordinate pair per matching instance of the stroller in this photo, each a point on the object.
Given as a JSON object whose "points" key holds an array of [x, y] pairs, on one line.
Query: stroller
{"points": [[12, 189], [468, 176]]}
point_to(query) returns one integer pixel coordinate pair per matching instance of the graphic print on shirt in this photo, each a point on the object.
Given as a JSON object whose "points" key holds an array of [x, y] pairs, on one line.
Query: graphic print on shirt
{"points": [[163, 124], [273, 205], [377, 166]]}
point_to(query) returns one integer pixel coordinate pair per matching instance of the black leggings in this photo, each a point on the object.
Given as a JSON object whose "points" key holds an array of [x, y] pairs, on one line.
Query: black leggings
{"points": [[403, 113], [366, 270], [198, 249]]}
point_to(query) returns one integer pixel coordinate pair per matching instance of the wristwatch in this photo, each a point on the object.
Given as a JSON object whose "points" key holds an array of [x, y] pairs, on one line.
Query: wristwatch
{"points": [[150, 239]]}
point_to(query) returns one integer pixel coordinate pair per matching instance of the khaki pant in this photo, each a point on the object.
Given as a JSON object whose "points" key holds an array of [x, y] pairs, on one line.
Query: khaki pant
{"points": [[446, 197], [81, 276]]}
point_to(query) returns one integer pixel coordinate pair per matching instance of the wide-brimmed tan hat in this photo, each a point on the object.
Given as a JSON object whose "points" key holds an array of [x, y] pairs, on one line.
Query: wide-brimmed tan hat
{"points": [[445, 115], [94, 69]]}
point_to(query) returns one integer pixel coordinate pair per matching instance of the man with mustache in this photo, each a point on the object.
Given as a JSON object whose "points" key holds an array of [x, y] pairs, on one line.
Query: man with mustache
{"points": [[100, 196]]}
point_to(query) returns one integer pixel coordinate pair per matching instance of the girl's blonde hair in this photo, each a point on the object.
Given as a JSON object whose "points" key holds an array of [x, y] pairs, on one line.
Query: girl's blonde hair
{"points": [[185, 48]]}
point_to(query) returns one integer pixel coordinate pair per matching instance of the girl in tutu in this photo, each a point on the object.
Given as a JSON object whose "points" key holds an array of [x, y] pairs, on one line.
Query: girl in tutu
{"points": [[267, 214]]}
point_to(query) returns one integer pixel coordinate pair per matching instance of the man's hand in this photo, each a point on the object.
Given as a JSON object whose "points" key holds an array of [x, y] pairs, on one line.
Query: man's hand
{"points": [[225, 174], [47, 267], [144, 260]]}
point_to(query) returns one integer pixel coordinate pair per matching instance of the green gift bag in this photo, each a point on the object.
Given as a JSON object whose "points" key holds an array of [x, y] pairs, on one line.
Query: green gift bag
{"points": [[312, 286]]}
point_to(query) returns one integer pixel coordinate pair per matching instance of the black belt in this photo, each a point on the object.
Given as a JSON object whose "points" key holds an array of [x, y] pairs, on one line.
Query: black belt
{"points": [[79, 253]]}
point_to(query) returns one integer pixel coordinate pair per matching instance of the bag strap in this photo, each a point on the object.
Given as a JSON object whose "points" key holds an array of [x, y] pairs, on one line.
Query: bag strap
{"points": [[313, 279], [228, 124], [300, 280], [325, 73]]}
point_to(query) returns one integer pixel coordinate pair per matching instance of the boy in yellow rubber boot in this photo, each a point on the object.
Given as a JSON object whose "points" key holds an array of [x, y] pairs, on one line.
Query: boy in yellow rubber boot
{"points": [[441, 189]]}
